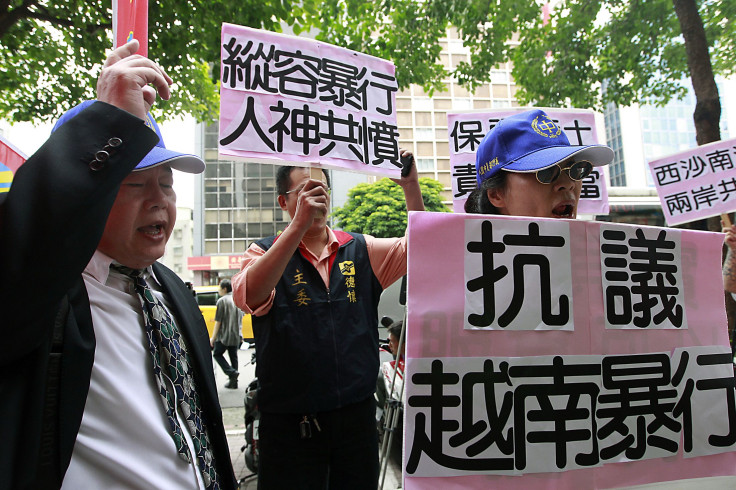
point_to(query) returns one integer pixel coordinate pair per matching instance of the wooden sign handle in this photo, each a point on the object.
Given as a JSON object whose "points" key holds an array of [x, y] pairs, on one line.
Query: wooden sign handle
{"points": [[725, 220]]}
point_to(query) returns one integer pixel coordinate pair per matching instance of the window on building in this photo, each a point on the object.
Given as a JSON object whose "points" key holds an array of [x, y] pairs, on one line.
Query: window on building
{"points": [[210, 231], [425, 164], [499, 76], [423, 134], [422, 104], [462, 103], [240, 230]]}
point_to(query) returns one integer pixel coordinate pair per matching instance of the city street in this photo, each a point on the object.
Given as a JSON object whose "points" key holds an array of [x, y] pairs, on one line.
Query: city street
{"points": [[233, 412]]}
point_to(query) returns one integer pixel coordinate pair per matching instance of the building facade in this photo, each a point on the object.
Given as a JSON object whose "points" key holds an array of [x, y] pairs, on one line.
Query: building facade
{"points": [[422, 119], [181, 245], [644, 132]]}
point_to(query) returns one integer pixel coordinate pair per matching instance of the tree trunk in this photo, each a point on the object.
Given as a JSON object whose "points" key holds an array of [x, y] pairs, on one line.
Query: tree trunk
{"points": [[707, 113]]}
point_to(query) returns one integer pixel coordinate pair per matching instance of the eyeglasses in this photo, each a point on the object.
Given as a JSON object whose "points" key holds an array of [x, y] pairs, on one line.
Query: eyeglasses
{"points": [[577, 171]]}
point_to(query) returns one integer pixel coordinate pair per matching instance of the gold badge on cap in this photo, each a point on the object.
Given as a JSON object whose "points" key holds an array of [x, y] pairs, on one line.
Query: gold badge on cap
{"points": [[544, 126]]}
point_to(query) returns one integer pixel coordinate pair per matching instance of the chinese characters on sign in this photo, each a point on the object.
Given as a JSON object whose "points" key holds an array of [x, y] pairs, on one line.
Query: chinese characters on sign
{"points": [[642, 278], [466, 131], [304, 101], [518, 275], [697, 183], [565, 345], [549, 414]]}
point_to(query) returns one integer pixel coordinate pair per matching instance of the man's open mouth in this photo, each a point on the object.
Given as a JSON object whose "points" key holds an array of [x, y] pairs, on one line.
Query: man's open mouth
{"points": [[152, 229]]}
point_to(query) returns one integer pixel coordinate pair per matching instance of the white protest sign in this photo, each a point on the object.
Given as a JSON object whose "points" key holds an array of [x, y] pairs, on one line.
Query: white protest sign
{"points": [[306, 102], [697, 183], [631, 383]]}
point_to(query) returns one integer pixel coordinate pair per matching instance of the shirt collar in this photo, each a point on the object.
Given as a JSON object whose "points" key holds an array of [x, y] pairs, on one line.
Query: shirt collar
{"points": [[99, 268], [332, 245]]}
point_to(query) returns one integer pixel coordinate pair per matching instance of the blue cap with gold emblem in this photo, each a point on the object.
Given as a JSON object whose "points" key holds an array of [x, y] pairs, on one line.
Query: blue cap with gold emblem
{"points": [[530, 141], [158, 155]]}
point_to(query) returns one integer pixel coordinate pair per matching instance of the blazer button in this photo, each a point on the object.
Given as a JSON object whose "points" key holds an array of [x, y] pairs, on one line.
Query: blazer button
{"points": [[114, 142], [99, 161]]}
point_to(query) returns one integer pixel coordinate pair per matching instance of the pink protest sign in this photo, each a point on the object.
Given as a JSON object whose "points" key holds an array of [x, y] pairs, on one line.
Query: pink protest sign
{"points": [[467, 129], [596, 357], [306, 102], [696, 183], [130, 21], [11, 158]]}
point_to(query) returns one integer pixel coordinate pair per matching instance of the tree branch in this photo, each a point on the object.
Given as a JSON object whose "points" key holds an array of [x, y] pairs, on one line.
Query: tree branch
{"points": [[48, 18], [10, 17]]}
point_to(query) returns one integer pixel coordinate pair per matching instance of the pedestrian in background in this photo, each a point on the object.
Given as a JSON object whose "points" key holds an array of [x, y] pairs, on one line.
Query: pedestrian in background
{"points": [[226, 333]]}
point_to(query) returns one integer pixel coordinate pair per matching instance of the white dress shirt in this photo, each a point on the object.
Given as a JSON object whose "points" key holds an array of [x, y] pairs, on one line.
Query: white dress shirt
{"points": [[124, 439]]}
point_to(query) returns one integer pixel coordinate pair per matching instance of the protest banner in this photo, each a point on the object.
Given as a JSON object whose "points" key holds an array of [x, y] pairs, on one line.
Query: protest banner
{"points": [[696, 183], [306, 102], [11, 158], [130, 21], [467, 129], [548, 353]]}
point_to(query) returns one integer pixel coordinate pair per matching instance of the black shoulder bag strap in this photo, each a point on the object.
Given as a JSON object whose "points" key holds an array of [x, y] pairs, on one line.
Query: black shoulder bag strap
{"points": [[48, 474]]}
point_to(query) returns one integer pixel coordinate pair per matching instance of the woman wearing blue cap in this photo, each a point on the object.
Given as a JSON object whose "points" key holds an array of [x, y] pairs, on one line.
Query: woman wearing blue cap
{"points": [[525, 166]]}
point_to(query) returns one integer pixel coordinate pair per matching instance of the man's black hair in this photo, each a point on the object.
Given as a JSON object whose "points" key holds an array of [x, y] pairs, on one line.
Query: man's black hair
{"points": [[226, 285], [395, 329], [283, 178]]}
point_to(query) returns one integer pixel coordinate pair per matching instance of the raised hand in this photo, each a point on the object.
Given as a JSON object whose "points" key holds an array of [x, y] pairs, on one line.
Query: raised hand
{"points": [[131, 82]]}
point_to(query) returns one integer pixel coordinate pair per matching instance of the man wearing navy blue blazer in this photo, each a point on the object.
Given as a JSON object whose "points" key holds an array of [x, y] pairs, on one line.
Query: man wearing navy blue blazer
{"points": [[83, 401]]}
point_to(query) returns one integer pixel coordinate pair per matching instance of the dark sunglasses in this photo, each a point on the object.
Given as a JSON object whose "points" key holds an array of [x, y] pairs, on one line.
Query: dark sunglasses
{"points": [[577, 171]]}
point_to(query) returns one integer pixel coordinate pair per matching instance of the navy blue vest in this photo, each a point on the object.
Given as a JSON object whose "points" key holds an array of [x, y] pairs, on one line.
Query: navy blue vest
{"points": [[317, 348]]}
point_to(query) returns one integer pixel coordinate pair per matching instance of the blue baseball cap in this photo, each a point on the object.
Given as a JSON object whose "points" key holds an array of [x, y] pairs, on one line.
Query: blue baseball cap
{"points": [[530, 141], [158, 155]]}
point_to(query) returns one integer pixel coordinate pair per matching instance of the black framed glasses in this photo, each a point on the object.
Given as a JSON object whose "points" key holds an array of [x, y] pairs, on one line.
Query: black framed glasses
{"points": [[577, 171]]}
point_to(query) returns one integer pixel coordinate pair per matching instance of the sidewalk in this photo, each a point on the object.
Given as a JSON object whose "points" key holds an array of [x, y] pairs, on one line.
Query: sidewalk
{"points": [[233, 412]]}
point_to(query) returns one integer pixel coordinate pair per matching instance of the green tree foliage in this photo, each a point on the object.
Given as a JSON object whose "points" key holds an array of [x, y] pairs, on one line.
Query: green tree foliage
{"points": [[51, 52], [585, 54], [379, 209]]}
